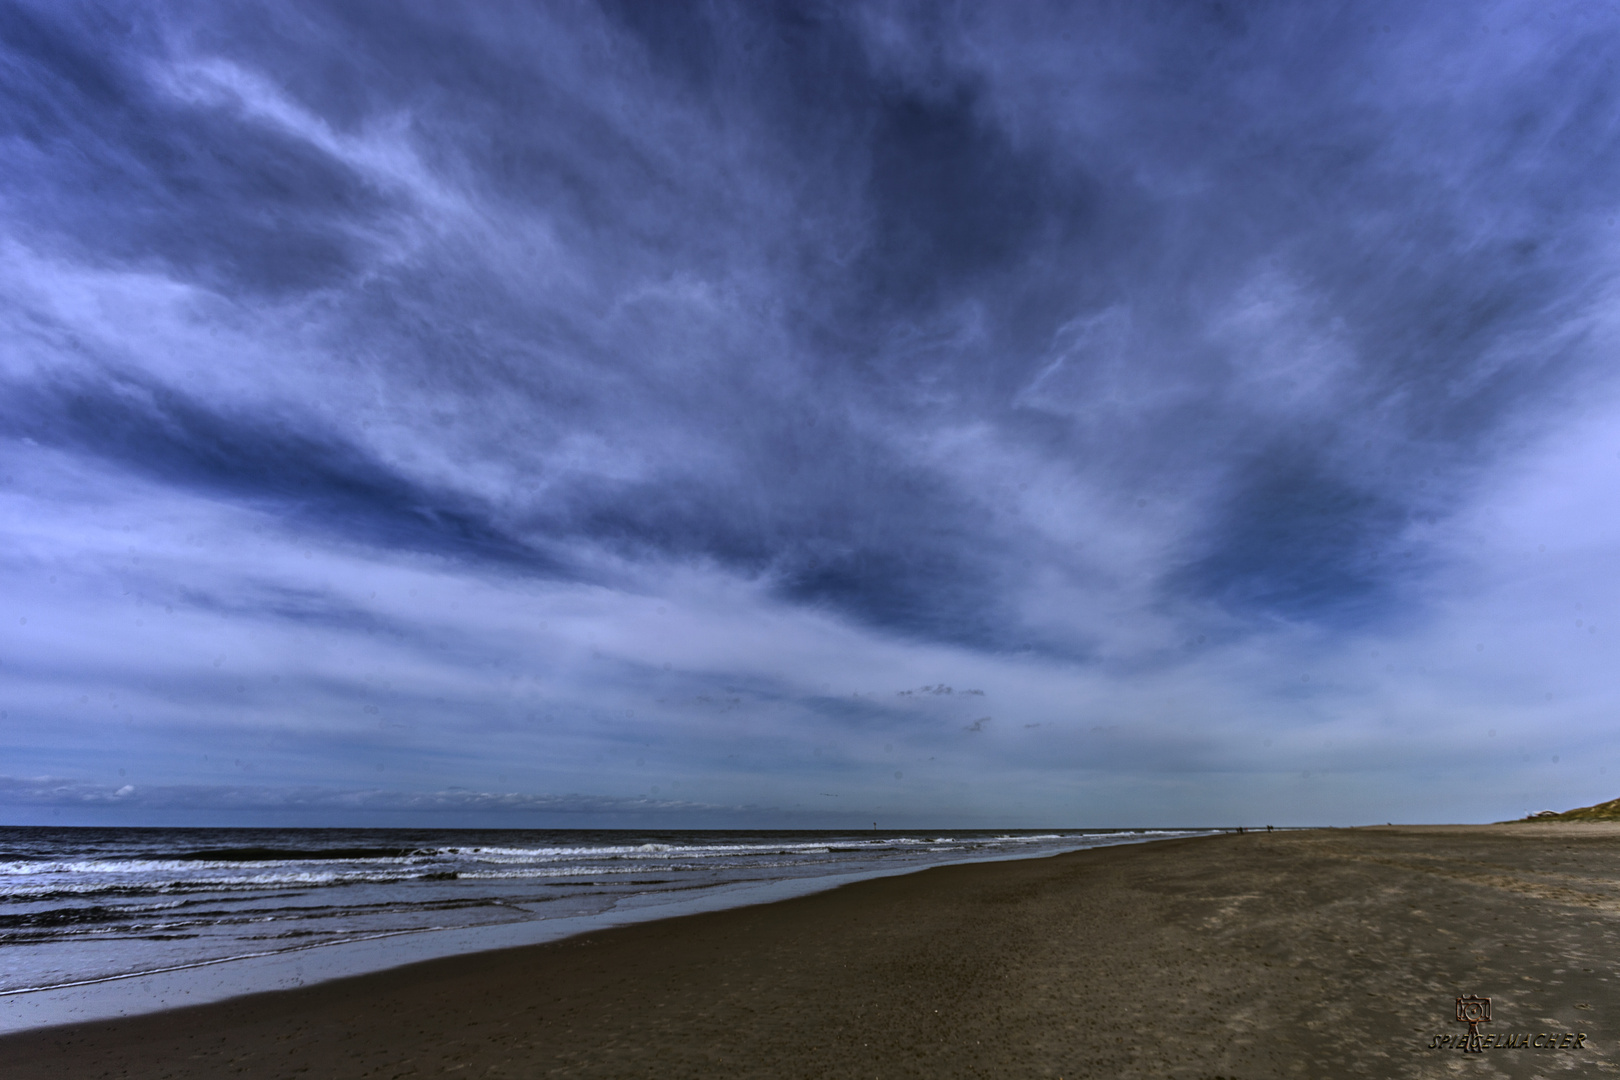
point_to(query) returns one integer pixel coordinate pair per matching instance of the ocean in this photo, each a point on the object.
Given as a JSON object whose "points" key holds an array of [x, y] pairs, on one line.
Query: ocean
{"points": [[80, 906]]}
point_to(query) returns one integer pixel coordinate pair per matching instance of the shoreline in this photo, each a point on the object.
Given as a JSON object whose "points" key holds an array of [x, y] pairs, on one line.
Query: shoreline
{"points": [[223, 979], [1311, 953]]}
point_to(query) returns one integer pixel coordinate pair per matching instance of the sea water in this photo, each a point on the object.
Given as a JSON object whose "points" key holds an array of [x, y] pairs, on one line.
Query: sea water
{"points": [[82, 907]]}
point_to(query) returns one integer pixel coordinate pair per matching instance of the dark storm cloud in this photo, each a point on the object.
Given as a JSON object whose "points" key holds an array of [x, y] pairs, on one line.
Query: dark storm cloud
{"points": [[953, 202], [1299, 541], [320, 480], [125, 175], [850, 547]]}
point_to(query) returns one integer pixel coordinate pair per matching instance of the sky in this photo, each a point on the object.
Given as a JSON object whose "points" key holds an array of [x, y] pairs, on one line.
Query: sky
{"points": [[808, 414]]}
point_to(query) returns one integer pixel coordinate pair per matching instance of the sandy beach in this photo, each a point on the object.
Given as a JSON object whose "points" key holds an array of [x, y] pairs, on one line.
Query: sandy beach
{"points": [[1304, 954]]}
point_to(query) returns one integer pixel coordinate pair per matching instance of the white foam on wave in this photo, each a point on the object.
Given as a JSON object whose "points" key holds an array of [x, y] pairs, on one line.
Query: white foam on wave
{"points": [[197, 869]]}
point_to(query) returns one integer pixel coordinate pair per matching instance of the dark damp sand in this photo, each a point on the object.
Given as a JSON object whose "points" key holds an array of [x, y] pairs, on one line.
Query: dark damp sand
{"points": [[1312, 954]]}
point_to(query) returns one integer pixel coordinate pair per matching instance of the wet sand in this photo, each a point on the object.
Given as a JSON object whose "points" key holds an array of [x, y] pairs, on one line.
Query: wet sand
{"points": [[1311, 954]]}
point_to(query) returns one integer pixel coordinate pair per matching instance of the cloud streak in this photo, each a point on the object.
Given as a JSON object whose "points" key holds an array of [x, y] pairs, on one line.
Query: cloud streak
{"points": [[57, 792]]}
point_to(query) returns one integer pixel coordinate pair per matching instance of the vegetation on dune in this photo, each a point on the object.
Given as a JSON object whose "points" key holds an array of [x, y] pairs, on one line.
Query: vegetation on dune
{"points": [[1603, 811]]}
